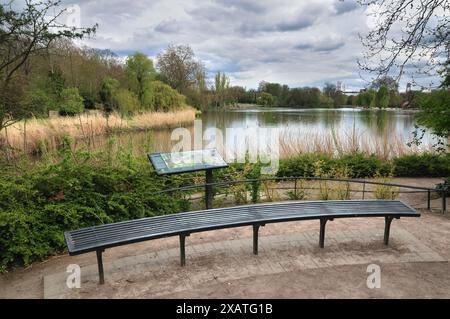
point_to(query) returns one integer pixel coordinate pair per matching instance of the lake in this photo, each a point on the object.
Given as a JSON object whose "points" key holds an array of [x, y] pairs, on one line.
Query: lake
{"points": [[333, 131]]}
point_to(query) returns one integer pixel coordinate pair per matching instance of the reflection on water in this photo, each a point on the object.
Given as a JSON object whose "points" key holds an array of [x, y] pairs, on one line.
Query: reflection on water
{"points": [[302, 124]]}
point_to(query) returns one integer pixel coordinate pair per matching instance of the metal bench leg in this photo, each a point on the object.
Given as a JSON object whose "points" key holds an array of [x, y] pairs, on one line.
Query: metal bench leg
{"points": [[101, 274], [183, 249], [255, 238], [387, 228], [323, 222]]}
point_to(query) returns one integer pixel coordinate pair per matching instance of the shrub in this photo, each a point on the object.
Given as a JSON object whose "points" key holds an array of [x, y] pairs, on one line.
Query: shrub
{"points": [[444, 187], [303, 165], [360, 165], [265, 99], [79, 190], [126, 102], [164, 98], [71, 102], [299, 192], [385, 191], [424, 165], [363, 166], [39, 102]]}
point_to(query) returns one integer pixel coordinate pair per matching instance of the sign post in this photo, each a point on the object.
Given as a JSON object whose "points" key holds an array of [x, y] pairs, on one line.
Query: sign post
{"points": [[187, 162]]}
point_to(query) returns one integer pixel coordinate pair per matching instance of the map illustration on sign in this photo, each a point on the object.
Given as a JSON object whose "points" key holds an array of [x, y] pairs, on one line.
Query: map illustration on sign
{"points": [[190, 161]]}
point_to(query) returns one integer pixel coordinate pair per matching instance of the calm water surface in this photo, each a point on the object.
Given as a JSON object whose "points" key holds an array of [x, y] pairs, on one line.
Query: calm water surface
{"points": [[292, 126]]}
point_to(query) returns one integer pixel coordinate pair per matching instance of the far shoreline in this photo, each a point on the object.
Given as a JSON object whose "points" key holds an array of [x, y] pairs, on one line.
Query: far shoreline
{"points": [[250, 106]]}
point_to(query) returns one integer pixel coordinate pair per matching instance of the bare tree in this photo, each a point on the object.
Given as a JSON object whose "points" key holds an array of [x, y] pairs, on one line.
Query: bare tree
{"points": [[406, 37], [179, 67]]}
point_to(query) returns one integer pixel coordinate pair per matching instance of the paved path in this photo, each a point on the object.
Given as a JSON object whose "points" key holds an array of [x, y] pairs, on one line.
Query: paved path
{"points": [[158, 273]]}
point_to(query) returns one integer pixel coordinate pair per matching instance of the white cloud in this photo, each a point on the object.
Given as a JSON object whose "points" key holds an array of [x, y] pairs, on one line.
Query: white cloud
{"points": [[294, 42]]}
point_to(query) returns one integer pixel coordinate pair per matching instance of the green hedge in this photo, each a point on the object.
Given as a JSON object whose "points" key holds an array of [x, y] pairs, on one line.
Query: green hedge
{"points": [[362, 166], [425, 165]]}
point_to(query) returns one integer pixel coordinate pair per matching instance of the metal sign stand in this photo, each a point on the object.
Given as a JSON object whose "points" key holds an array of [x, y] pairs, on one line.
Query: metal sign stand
{"points": [[162, 162]]}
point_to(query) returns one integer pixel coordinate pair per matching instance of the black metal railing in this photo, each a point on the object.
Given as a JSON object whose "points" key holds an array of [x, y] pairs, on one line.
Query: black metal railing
{"points": [[364, 190]]}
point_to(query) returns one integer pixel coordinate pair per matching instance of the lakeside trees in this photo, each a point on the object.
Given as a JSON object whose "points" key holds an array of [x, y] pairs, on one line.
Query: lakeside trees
{"points": [[42, 70], [25, 35]]}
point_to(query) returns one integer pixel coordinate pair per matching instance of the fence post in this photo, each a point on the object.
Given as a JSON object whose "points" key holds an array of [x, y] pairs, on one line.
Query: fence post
{"points": [[364, 189], [429, 200], [295, 188], [444, 202], [209, 189]]}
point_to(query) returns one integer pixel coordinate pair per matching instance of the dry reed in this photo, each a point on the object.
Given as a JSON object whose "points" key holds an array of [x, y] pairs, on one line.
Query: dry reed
{"points": [[386, 146], [28, 135]]}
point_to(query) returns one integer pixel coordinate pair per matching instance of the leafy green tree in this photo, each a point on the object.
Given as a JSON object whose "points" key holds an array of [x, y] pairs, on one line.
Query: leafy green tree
{"points": [[395, 100], [265, 99], [382, 97], [338, 98], [305, 97], [39, 101], [140, 71], [125, 102], [165, 98], [71, 102], [107, 93], [55, 82], [435, 112], [366, 98], [222, 84], [278, 91]]}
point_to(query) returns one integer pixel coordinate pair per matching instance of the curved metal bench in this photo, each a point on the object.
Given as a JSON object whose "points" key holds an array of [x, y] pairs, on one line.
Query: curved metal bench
{"points": [[99, 238]]}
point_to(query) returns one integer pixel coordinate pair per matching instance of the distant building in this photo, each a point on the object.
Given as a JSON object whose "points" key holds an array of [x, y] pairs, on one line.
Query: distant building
{"points": [[408, 87], [340, 86]]}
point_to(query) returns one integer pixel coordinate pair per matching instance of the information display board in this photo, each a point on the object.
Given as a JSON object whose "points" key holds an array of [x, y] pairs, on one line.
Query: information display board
{"points": [[185, 162]]}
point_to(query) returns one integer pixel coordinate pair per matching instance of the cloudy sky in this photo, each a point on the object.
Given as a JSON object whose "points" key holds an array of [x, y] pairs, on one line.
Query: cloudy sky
{"points": [[295, 42]]}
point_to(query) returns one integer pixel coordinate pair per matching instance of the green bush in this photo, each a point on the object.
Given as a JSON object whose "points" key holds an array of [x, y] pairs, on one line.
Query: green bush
{"points": [[444, 187], [126, 102], [80, 190], [164, 98], [265, 99], [38, 102], [425, 165], [363, 166], [71, 102], [303, 165]]}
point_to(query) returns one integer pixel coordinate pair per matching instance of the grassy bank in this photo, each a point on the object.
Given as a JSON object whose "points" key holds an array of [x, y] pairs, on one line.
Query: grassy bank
{"points": [[68, 190], [29, 135]]}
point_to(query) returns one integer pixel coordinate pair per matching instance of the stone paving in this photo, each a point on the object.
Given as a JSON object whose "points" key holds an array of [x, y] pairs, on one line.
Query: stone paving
{"points": [[158, 273]]}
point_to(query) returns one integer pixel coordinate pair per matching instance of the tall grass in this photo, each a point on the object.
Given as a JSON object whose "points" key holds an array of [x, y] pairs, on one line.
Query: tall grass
{"points": [[386, 146], [30, 134]]}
